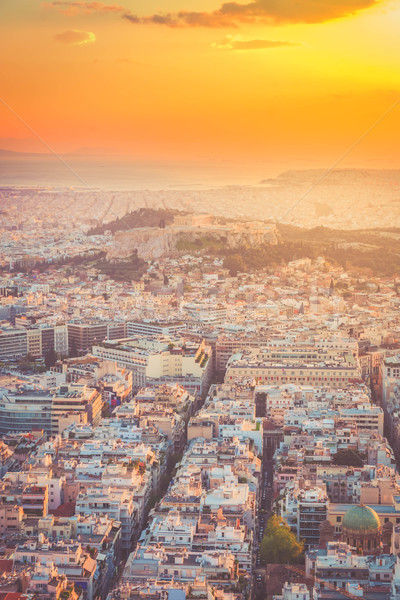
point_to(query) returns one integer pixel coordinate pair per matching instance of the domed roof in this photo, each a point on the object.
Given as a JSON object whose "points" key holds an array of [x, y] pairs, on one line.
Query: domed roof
{"points": [[361, 518]]}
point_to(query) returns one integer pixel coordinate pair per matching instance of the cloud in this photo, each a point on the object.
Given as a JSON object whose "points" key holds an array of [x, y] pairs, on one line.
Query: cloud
{"points": [[74, 37], [132, 18], [232, 14], [237, 43], [80, 6], [183, 19]]}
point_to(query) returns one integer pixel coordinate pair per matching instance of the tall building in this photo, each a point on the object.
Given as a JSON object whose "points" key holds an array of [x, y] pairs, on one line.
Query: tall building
{"points": [[35, 347], [13, 343], [84, 335], [30, 409], [312, 511], [190, 365], [38, 341], [47, 340]]}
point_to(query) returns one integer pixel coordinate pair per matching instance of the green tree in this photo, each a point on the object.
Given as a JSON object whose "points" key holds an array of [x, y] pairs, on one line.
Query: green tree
{"points": [[234, 264], [50, 358], [349, 458], [279, 544]]}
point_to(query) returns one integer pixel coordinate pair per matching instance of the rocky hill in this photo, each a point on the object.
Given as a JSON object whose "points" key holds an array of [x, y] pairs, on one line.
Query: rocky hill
{"points": [[152, 243]]}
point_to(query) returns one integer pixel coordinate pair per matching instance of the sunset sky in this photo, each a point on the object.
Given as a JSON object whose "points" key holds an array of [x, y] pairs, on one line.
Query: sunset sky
{"points": [[288, 83]]}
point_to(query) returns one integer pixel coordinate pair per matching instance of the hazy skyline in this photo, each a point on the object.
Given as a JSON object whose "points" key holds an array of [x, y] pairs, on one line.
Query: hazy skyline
{"points": [[280, 83]]}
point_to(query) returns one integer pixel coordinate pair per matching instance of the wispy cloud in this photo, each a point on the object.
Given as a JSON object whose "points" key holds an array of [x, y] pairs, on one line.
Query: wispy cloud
{"points": [[74, 37], [231, 42], [182, 19], [80, 6], [232, 14]]}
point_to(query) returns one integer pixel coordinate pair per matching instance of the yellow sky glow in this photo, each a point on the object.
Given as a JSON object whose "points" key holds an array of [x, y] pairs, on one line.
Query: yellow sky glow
{"points": [[200, 93]]}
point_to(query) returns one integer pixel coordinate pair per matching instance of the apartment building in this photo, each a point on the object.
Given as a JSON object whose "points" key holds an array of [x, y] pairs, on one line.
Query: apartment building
{"points": [[69, 557], [84, 335], [188, 364], [313, 367], [151, 328], [34, 338], [31, 409], [312, 511], [226, 346], [38, 341], [11, 517], [13, 343], [205, 312], [117, 504]]}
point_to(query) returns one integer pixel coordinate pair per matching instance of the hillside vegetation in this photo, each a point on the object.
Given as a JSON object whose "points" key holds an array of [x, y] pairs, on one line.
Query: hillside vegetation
{"points": [[143, 217], [372, 252], [369, 251]]}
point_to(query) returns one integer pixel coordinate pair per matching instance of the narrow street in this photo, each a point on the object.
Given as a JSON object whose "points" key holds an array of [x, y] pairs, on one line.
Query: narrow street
{"points": [[263, 514]]}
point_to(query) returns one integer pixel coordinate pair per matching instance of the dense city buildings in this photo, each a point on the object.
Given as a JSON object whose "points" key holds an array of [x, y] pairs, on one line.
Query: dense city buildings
{"points": [[151, 426]]}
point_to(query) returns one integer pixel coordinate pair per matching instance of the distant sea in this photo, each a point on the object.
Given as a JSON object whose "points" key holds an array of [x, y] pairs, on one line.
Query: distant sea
{"points": [[19, 170]]}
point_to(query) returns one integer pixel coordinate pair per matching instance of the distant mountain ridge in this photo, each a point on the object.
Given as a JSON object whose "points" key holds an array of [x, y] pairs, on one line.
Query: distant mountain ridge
{"points": [[15, 154], [84, 152], [336, 176]]}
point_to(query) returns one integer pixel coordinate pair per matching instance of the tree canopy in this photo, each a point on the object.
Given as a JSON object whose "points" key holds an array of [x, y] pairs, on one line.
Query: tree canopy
{"points": [[349, 458], [279, 544], [50, 358], [143, 217], [234, 264]]}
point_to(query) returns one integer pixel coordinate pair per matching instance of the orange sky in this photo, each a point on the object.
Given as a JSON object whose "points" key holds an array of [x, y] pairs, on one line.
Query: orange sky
{"points": [[279, 82]]}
